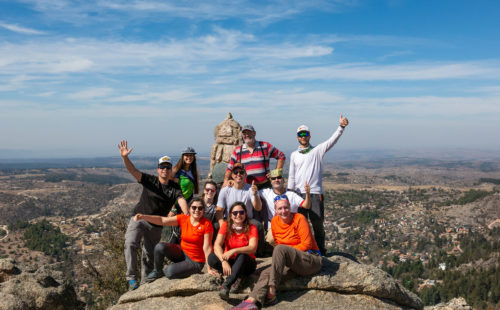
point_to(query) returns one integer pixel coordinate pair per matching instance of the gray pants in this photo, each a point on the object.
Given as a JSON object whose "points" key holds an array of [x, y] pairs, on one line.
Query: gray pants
{"points": [[151, 235], [182, 266], [286, 261]]}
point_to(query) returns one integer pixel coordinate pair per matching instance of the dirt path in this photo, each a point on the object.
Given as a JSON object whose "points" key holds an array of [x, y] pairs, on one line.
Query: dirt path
{"points": [[4, 227]]}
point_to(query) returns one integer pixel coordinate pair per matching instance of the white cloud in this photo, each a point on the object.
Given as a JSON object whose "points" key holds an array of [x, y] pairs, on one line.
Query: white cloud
{"points": [[20, 29], [374, 72], [92, 93], [251, 11]]}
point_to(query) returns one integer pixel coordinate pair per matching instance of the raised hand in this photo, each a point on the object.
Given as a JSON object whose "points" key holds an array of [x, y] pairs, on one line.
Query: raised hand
{"points": [[255, 189], [123, 147], [343, 121], [307, 188]]}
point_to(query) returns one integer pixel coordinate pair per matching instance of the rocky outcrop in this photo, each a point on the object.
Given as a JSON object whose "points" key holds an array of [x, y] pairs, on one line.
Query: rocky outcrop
{"points": [[341, 284], [227, 137], [454, 304], [29, 288]]}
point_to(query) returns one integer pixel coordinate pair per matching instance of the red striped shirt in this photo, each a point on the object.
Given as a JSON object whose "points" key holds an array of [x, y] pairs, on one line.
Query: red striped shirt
{"points": [[256, 163]]}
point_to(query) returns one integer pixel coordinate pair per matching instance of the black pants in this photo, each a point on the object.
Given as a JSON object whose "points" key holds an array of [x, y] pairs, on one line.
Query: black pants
{"points": [[316, 215], [242, 265], [182, 266]]}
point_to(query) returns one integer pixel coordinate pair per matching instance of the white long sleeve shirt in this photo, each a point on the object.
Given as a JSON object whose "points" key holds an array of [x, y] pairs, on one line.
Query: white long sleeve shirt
{"points": [[309, 167]]}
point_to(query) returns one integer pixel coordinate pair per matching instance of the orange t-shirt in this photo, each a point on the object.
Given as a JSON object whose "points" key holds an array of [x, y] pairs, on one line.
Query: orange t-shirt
{"points": [[192, 237], [296, 233], [238, 240]]}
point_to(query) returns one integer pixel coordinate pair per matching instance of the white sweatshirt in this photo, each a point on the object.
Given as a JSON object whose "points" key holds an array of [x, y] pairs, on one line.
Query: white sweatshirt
{"points": [[309, 167]]}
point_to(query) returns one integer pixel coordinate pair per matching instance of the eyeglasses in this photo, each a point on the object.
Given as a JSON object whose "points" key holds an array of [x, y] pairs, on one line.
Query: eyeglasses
{"points": [[199, 208], [240, 172], [303, 134], [277, 178], [280, 197], [235, 213], [209, 190], [164, 167]]}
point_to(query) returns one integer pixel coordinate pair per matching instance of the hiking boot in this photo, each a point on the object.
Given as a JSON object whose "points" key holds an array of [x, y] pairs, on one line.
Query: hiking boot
{"points": [[155, 274], [246, 305], [224, 292], [133, 285], [237, 286]]}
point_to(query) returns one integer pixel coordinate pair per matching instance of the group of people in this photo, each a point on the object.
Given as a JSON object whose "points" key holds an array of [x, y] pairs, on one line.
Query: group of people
{"points": [[226, 229]]}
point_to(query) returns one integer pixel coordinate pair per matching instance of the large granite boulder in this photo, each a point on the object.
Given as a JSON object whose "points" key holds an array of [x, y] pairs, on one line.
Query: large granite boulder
{"points": [[23, 287], [341, 284], [227, 137]]}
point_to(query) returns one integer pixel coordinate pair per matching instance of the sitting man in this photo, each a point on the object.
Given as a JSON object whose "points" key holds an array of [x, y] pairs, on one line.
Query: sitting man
{"points": [[277, 189], [296, 251]]}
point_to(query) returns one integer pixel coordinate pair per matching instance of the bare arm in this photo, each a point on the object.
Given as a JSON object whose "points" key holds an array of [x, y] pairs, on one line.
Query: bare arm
{"points": [[256, 202], [219, 215], [249, 249], [184, 206], [227, 179], [157, 220], [218, 246], [307, 201], [207, 249], [280, 163], [124, 152]]}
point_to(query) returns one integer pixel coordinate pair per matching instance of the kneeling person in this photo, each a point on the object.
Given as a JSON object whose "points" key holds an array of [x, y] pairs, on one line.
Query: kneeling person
{"points": [[296, 251]]}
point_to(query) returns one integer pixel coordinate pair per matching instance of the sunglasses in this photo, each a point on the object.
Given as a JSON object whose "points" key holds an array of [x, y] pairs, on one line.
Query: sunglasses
{"points": [[209, 190], [277, 178], [199, 208], [280, 197], [164, 167], [240, 172], [235, 213], [303, 134]]}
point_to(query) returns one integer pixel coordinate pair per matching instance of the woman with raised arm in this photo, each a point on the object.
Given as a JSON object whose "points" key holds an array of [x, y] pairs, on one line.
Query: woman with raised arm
{"points": [[238, 258], [190, 256]]}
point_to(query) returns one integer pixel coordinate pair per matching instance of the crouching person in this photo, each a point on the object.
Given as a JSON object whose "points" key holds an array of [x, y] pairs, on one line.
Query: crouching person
{"points": [[238, 258], [189, 257], [296, 251]]}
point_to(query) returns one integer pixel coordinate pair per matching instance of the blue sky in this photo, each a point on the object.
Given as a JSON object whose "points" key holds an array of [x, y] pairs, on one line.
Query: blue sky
{"points": [[78, 76]]}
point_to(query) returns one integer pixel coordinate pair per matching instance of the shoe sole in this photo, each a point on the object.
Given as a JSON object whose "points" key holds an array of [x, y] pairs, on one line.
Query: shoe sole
{"points": [[224, 295]]}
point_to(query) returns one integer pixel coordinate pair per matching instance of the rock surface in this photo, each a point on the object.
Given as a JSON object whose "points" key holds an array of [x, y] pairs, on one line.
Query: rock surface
{"points": [[227, 137], [454, 304], [341, 284], [28, 288]]}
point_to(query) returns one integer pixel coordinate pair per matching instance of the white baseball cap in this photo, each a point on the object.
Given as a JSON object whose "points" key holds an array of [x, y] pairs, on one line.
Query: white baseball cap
{"points": [[302, 128]]}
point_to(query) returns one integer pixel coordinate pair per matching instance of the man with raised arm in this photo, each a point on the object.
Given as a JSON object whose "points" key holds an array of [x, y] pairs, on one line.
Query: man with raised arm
{"points": [[269, 195], [306, 166], [159, 194], [255, 156]]}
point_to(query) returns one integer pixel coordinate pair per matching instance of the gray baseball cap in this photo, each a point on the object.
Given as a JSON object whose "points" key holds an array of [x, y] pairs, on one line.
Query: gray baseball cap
{"points": [[248, 127]]}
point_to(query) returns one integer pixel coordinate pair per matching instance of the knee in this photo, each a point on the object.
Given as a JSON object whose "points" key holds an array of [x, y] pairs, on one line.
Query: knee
{"points": [[159, 247], [212, 260], [279, 251]]}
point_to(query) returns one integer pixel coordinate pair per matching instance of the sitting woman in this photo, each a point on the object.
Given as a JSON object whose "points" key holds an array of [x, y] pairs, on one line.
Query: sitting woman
{"points": [[189, 257], [238, 258], [296, 251]]}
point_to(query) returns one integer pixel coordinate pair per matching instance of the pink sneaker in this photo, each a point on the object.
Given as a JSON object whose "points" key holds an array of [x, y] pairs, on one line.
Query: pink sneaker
{"points": [[246, 305]]}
